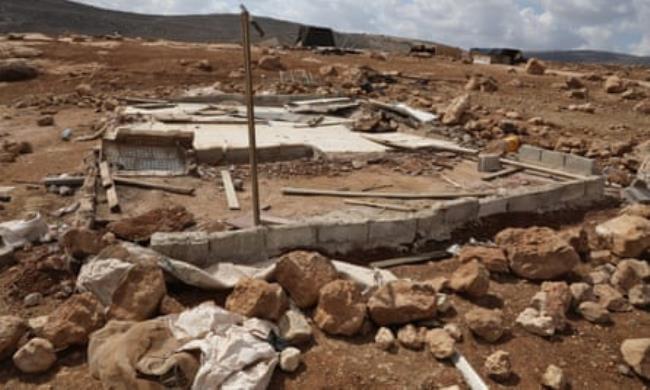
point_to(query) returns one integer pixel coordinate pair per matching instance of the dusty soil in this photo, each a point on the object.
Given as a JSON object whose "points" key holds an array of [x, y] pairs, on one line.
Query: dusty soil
{"points": [[588, 353]]}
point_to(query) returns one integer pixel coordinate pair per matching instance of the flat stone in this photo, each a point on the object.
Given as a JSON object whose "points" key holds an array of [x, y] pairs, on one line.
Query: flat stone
{"points": [[486, 324], [402, 301], [341, 309], [258, 298]]}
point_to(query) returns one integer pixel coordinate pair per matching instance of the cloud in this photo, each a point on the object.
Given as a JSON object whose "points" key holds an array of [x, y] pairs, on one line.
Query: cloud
{"points": [[620, 25]]}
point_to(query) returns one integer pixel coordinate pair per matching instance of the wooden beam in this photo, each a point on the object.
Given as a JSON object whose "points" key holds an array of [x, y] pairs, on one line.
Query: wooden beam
{"points": [[229, 188], [538, 168], [71, 181], [385, 195], [378, 205], [501, 173], [105, 173], [113, 200], [154, 186]]}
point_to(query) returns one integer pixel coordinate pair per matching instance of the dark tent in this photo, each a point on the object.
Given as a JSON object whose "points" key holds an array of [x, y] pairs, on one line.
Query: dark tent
{"points": [[309, 36], [501, 56]]}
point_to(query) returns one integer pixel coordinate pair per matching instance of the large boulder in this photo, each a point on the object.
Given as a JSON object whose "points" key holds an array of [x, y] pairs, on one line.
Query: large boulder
{"points": [[271, 63], [456, 110], [35, 357], [73, 321], [486, 324], [16, 70], [341, 309], [535, 67], [303, 274], [494, 259], [636, 353], [138, 296], [614, 84], [401, 302], [258, 298], [12, 328], [626, 235], [537, 253], [472, 279]]}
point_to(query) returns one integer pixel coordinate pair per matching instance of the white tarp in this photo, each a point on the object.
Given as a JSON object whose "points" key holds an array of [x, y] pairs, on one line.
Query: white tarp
{"points": [[102, 277], [17, 233]]}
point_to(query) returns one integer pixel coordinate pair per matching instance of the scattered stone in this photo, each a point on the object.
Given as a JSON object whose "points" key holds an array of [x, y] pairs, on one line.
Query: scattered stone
{"points": [[33, 299], [35, 357], [628, 236], [537, 253], [586, 108], [573, 82], [294, 327], [80, 243], [643, 107], [384, 339], [170, 305], [594, 312], [614, 84], [258, 298], [205, 66], [486, 324], [494, 259], [66, 191], [556, 302], [440, 343], [636, 354], [611, 299], [639, 295], [271, 63], [138, 296], [402, 301], [498, 366], [340, 310], [303, 274], [535, 67], [66, 134], [328, 71], [600, 257], [443, 303], [12, 329], [534, 322], [578, 239], [554, 378], [410, 337], [141, 227], [73, 321], [578, 94], [47, 120], [582, 292], [629, 273], [598, 277], [16, 70], [456, 110], [84, 90], [290, 359]]}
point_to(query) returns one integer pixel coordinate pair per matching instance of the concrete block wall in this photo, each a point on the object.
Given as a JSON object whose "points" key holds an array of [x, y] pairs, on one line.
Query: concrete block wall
{"points": [[558, 160]]}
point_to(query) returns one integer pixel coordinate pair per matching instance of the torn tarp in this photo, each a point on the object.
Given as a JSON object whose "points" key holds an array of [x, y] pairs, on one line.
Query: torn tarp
{"points": [[17, 233]]}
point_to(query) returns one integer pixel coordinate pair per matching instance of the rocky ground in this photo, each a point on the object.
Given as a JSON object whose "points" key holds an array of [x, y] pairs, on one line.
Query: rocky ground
{"points": [[560, 304]]}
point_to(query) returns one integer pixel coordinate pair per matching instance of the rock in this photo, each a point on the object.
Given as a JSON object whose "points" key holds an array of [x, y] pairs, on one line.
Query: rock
{"points": [[271, 63], [303, 274], [578, 239], [328, 71], [204, 65], [258, 298], [81, 243], [384, 339], [454, 113], [443, 303], [73, 321], [65, 191], [556, 302], [16, 70], [294, 327], [586, 108], [600, 257], [554, 378], [84, 89], [636, 354], [35, 357], [629, 273], [33, 299], [537, 253], [594, 312], [639, 295], [626, 235], [410, 337], [66, 134], [440, 343], [141, 227], [486, 324], [472, 279], [12, 329], [290, 359], [611, 299], [494, 259], [170, 305], [340, 310], [598, 277], [401, 302], [454, 331], [534, 322], [498, 367], [535, 67], [139, 295], [582, 292], [614, 84], [47, 120], [643, 107], [573, 82]]}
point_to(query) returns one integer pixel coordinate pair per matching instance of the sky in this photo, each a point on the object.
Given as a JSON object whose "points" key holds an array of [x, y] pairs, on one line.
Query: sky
{"points": [[613, 25]]}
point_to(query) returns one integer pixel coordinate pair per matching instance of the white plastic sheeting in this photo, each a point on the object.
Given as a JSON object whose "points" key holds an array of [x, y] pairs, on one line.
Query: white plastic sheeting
{"points": [[102, 277], [17, 233]]}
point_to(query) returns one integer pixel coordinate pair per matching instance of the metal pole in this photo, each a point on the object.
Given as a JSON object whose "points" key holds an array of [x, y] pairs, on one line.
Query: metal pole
{"points": [[252, 144]]}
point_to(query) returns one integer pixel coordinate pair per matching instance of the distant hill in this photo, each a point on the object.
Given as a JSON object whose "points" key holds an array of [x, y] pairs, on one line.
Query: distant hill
{"points": [[589, 57]]}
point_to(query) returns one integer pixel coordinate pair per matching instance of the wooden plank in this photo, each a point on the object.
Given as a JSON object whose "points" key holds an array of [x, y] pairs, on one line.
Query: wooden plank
{"points": [[105, 173], [229, 188], [501, 173], [154, 186], [378, 205], [385, 195], [538, 168], [70, 181], [438, 255], [113, 200]]}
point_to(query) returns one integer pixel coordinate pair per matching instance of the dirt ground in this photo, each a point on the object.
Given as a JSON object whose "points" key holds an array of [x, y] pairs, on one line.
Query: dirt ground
{"points": [[588, 353]]}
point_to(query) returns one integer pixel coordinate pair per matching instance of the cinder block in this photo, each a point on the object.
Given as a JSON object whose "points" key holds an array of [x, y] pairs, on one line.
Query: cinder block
{"points": [[536, 200], [431, 225], [341, 237], [288, 237], [553, 159], [240, 246], [580, 165], [460, 211], [192, 247], [595, 188], [492, 206], [573, 190], [528, 153], [391, 232]]}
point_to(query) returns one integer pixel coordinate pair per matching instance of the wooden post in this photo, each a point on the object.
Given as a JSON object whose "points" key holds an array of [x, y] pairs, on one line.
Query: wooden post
{"points": [[250, 108]]}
